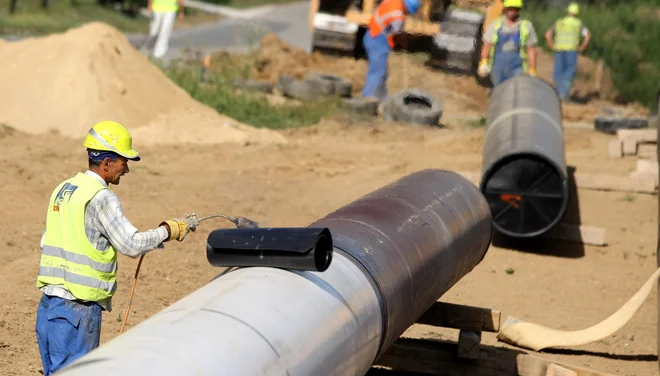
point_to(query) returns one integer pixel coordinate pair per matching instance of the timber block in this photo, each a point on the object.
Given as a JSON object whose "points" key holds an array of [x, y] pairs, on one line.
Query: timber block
{"points": [[557, 370], [448, 315], [615, 149], [647, 151], [469, 344], [629, 147], [639, 135]]}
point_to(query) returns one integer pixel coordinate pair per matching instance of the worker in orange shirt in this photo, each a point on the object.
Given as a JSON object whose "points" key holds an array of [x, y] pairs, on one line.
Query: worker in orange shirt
{"points": [[386, 23]]}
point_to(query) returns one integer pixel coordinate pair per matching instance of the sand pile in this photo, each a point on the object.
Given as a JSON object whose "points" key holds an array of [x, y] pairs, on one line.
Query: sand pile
{"points": [[67, 82]]}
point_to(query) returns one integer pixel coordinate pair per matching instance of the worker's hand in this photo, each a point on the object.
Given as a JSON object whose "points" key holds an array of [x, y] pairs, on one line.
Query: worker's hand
{"points": [[242, 222], [532, 72], [179, 227], [484, 69]]}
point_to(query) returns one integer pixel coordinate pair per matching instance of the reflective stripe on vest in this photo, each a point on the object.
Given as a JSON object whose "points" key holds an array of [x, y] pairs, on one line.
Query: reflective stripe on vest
{"points": [[525, 25], [165, 6], [68, 258], [567, 34], [387, 11]]}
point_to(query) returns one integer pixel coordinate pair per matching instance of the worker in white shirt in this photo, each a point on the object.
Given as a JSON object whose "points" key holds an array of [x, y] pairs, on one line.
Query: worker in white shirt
{"points": [[163, 14]]}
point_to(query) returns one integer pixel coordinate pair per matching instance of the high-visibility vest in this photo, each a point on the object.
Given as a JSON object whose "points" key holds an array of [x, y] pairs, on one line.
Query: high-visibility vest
{"points": [[386, 12], [567, 33], [165, 6], [68, 258], [524, 34]]}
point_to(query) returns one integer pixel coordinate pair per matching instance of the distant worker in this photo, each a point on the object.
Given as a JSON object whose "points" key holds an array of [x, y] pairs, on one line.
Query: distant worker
{"points": [[163, 14], [85, 227], [563, 38], [509, 46], [386, 23]]}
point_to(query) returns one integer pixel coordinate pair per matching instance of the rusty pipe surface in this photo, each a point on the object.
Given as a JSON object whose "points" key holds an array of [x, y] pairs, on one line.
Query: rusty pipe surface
{"points": [[416, 238], [397, 250]]}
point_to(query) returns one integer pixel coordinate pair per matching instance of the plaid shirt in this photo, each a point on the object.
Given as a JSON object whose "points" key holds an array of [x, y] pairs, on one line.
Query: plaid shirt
{"points": [[105, 223]]}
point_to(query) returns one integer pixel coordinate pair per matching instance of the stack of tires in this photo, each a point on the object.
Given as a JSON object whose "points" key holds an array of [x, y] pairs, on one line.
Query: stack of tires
{"points": [[458, 44]]}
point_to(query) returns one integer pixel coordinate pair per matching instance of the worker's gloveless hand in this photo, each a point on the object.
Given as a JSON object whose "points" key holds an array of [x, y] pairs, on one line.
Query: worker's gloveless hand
{"points": [[484, 69], [242, 222]]}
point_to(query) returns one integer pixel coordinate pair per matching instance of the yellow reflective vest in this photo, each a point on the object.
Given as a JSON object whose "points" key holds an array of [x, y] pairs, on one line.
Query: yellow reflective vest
{"points": [[165, 6], [68, 258], [567, 33], [525, 26]]}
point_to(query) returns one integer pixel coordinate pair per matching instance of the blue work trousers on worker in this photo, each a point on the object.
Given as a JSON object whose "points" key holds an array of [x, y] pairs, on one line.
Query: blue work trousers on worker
{"points": [[66, 330], [378, 51], [507, 62], [564, 72]]}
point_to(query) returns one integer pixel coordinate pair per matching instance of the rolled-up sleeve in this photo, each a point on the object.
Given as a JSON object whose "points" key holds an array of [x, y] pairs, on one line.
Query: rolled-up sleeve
{"points": [[119, 230]]}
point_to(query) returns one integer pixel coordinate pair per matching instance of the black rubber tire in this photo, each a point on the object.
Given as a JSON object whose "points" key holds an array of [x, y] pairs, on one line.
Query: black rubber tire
{"points": [[330, 84], [461, 29], [253, 85], [305, 91], [416, 106], [610, 125], [362, 105]]}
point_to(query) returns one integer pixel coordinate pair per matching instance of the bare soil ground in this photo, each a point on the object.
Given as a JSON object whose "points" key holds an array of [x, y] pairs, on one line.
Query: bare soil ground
{"points": [[318, 170]]}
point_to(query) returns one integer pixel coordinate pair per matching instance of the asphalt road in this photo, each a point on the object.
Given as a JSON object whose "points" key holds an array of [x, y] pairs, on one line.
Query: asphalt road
{"points": [[240, 30]]}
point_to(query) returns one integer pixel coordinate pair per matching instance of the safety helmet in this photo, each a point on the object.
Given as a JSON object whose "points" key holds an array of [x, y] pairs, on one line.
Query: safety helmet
{"points": [[113, 137], [411, 5], [574, 8], [512, 3]]}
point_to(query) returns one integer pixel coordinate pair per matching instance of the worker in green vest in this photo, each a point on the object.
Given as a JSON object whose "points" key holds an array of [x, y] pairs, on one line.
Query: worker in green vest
{"points": [[163, 14], [85, 228], [563, 38], [509, 46]]}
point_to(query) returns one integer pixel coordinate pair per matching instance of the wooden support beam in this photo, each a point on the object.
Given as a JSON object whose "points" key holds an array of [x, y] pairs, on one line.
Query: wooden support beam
{"points": [[555, 370], [647, 151], [615, 149], [462, 317], [577, 234], [629, 147], [469, 344], [637, 135], [529, 365]]}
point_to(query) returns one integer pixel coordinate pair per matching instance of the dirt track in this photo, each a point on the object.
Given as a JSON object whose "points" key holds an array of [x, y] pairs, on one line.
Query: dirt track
{"points": [[320, 169]]}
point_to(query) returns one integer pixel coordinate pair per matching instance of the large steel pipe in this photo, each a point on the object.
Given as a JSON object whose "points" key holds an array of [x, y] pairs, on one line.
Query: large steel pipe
{"points": [[524, 175], [397, 250]]}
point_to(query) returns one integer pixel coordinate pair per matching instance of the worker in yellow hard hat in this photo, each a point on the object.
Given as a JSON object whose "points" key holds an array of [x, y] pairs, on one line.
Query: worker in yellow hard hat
{"points": [[563, 38], [85, 228], [509, 46]]}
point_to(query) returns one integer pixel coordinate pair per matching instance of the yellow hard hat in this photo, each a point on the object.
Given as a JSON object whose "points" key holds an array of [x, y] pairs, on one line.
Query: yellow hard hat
{"points": [[512, 3], [574, 8], [113, 137]]}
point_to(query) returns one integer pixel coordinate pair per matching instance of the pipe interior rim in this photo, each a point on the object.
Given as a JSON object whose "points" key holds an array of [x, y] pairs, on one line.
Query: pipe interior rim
{"points": [[526, 193]]}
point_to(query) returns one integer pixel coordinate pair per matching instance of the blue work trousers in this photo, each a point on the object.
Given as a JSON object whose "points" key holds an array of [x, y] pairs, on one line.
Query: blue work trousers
{"points": [[66, 330], [378, 51], [505, 66], [564, 72]]}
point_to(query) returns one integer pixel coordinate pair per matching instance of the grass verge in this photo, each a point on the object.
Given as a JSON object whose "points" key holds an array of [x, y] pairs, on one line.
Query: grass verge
{"points": [[250, 108], [625, 35]]}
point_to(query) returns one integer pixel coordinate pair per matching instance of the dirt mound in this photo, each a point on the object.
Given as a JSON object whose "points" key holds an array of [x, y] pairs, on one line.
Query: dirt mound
{"points": [[276, 57], [67, 82]]}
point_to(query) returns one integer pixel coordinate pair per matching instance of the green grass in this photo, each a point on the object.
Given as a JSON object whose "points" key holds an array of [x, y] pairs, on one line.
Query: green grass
{"points": [[249, 108], [246, 3], [626, 37], [31, 19]]}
